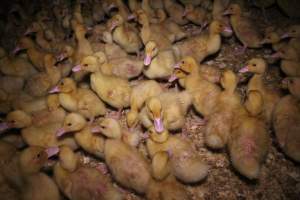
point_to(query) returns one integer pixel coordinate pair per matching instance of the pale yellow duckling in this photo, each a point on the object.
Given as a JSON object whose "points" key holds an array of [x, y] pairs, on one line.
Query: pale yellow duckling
{"points": [[258, 66], [83, 134], [140, 93], [80, 100], [81, 182], [166, 111], [113, 90], [124, 34], [158, 63], [249, 141]]}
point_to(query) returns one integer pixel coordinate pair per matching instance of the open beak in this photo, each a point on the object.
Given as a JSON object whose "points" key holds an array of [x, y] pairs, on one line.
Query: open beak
{"points": [[244, 69], [147, 60], [172, 78], [77, 68], [227, 29], [16, 50]]}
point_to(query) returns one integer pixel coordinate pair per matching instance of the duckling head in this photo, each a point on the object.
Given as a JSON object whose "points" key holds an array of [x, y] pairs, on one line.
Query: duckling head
{"points": [[187, 65], [114, 22], [254, 102], [34, 27], [271, 38], [155, 111], [88, 63], [66, 85], [188, 9], [177, 74], [292, 32], [24, 43], [255, 65], [66, 52], [229, 80], [233, 9], [216, 27], [33, 158], [142, 17], [18, 119], [72, 122], [151, 51], [108, 127], [293, 85], [287, 53]]}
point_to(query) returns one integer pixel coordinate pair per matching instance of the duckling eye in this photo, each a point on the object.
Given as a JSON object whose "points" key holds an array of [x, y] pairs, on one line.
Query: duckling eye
{"points": [[293, 31], [183, 62], [62, 83], [69, 124], [13, 121], [85, 65], [38, 155], [254, 65]]}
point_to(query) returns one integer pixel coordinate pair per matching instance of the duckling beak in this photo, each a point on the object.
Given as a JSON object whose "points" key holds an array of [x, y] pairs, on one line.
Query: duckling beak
{"points": [[60, 132], [147, 60], [285, 35], [227, 12], [51, 151], [28, 31], [54, 90], [16, 50], [276, 55], [113, 26], [227, 29], [60, 57], [4, 126], [77, 68], [158, 125], [131, 17], [244, 69], [172, 78], [96, 129], [176, 66]]}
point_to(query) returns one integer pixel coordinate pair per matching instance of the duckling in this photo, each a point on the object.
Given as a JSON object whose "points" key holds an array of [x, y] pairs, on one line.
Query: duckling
{"points": [[80, 100], [293, 32], [159, 63], [166, 110], [123, 67], [113, 90], [218, 8], [23, 171], [153, 32], [293, 85], [274, 39], [289, 60], [244, 28], [11, 84], [40, 134], [39, 84], [258, 66], [286, 118], [140, 93], [219, 124], [176, 11], [35, 55], [196, 15], [203, 45], [127, 165], [249, 140], [124, 34], [184, 163], [82, 182], [204, 93], [15, 66], [83, 46], [111, 49], [83, 135]]}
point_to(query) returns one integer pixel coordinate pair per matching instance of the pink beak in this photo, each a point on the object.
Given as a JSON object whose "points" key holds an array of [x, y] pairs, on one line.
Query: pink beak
{"points": [[172, 78], [51, 151], [54, 90], [60, 57], [60, 132], [244, 69], [176, 66], [77, 68], [131, 17], [113, 26], [158, 125], [227, 29], [4, 126], [276, 55], [96, 129], [16, 50], [286, 35], [227, 12], [147, 60], [28, 31]]}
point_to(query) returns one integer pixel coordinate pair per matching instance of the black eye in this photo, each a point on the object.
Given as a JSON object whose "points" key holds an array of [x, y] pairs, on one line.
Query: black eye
{"points": [[62, 83], [12, 121], [85, 65], [183, 62], [69, 124], [38, 155], [293, 31], [254, 65]]}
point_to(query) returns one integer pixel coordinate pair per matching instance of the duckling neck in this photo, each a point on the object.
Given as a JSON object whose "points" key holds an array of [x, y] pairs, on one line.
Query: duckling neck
{"points": [[214, 43], [256, 82]]}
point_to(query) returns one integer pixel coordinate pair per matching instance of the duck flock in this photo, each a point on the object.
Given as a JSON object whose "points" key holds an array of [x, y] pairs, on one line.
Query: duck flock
{"points": [[97, 96]]}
